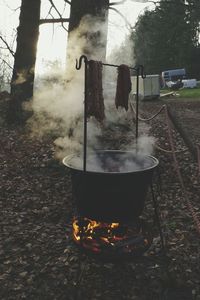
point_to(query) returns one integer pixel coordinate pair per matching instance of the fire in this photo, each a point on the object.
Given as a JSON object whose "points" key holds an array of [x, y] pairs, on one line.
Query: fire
{"points": [[88, 230], [103, 237]]}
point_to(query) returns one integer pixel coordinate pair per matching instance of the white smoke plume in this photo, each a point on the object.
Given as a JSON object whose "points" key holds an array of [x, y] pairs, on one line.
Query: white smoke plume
{"points": [[82, 41], [124, 54], [146, 144], [58, 105]]}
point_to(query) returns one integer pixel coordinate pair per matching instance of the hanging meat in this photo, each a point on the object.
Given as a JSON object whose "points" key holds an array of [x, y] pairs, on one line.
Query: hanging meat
{"points": [[95, 100], [123, 87]]}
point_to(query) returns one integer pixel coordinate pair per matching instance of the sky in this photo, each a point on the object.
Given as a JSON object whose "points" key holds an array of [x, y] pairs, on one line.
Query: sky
{"points": [[53, 36]]}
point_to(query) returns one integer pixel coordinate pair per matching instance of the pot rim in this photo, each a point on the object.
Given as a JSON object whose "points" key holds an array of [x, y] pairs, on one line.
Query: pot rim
{"points": [[67, 159]]}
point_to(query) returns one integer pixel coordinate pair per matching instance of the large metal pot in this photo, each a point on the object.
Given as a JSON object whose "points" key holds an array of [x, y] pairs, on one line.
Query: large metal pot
{"points": [[114, 186]]}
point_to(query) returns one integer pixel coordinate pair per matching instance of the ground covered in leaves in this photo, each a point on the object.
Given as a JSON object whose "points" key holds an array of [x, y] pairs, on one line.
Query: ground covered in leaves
{"points": [[38, 258]]}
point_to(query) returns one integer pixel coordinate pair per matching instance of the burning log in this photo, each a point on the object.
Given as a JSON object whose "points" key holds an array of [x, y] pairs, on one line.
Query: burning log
{"points": [[111, 238]]}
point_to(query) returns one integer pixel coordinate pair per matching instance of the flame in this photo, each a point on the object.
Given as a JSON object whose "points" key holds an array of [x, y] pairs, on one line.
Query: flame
{"points": [[95, 236], [89, 230]]}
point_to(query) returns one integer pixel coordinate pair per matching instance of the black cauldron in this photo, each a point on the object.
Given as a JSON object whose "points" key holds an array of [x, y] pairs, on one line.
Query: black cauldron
{"points": [[114, 186]]}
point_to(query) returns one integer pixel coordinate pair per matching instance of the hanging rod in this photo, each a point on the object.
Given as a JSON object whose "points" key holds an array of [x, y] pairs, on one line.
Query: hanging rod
{"points": [[85, 59], [139, 70]]}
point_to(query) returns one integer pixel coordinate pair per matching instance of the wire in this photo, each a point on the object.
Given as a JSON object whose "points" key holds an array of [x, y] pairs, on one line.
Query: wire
{"points": [[173, 151], [170, 151], [177, 168], [148, 119], [198, 157]]}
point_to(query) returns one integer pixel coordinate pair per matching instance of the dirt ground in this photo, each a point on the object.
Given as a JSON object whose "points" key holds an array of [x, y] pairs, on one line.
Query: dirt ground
{"points": [[188, 116], [38, 258]]}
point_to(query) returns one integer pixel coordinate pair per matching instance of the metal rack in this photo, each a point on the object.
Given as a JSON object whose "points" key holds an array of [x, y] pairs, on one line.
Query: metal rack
{"points": [[139, 69]]}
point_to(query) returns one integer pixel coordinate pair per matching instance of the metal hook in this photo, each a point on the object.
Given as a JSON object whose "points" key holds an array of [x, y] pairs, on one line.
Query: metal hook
{"points": [[79, 63], [140, 69], [142, 72]]}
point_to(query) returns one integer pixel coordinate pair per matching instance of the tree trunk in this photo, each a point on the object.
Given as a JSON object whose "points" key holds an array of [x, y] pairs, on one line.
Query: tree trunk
{"points": [[88, 28], [25, 58], [80, 8]]}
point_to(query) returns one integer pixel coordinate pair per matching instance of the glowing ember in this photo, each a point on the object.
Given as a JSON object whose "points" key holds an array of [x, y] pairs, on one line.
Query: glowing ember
{"points": [[102, 238]]}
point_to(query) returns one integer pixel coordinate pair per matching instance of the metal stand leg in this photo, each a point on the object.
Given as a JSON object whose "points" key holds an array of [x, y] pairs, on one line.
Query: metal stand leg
{"points": [[159, 181], [157, 218]]}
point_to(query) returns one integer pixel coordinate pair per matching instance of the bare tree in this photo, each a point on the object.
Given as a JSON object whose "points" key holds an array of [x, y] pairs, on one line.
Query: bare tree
{"points": [[25, 58], [94, 36], [27, 39]]}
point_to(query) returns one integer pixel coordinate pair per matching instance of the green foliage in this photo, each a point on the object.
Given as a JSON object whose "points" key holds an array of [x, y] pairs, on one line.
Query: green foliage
{"points": [[167, 37]]}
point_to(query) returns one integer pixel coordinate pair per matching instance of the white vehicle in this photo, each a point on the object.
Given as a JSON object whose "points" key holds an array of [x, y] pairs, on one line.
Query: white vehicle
{"points": [[189, 83], [173, 75]]}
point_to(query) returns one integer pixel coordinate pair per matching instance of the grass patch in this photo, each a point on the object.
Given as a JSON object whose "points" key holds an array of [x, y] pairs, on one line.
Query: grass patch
{"points": [[190, 93], [185, 93]]}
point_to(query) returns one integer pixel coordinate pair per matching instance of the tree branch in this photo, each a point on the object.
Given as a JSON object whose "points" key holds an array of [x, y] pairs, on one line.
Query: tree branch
{"points": [[123, 1], [123, 17], [69, 2], [3, 60], [7, 46], [155, 2], [117, 3], [59, 20], [53, 5]]}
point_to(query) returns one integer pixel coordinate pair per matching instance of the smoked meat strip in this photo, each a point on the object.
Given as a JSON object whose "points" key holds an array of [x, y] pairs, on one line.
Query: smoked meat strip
{"points": [[95, 100], [123, 87]]}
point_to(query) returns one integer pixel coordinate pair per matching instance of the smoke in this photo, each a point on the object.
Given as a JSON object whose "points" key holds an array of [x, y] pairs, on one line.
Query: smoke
{"points": [[124, 54], [58, 104], [112, 161], [145, 144], [70, 144], [58, 110], [89, 38]]}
